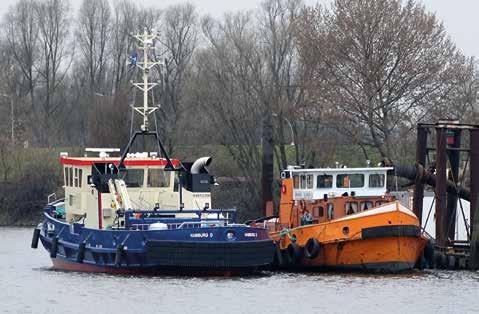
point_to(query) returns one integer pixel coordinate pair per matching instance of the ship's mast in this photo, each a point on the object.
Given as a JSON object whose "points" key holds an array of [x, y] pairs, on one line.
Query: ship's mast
{"points": [[146, 43]]}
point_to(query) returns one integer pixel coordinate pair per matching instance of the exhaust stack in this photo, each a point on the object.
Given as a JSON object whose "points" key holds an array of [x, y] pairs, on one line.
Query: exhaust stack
{"points": [[201, 163]]}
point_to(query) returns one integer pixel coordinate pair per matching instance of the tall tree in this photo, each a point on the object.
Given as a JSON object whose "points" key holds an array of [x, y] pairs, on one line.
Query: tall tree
{"points": [[54, 62], [92, 34], [384, 63], [179, 38], [21, 37]]}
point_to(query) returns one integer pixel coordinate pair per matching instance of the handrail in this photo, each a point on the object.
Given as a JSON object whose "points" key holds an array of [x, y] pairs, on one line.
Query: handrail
{"points": [[183, 211], [50, 196]]}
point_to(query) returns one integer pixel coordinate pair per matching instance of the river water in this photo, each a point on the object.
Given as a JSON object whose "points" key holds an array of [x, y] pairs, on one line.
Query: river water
{"points": [[29, 285]]}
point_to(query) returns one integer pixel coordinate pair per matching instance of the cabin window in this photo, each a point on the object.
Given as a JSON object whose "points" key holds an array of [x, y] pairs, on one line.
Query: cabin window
{"points": [[376, 180], [303, 181], [350, 180], [134, 178], [67, 179], [309, 181], [379, 203], [75, 179], [70, 182], [158, 178], [350, 208], [325, 181], [366, 205], [296, 182], [319, 211], [330, 211], [176, 184], [80, 176], [306, 181]]}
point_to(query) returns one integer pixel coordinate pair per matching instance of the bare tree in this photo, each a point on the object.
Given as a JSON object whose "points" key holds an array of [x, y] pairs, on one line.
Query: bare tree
{"points": [[179, 37], [122, 44], [21, 37], [55, 60], [225, 79], [383, 62], [93, 33]]}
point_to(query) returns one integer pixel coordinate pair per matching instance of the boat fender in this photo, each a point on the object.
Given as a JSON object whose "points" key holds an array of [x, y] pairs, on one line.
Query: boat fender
{"points": [[312, 248], [278, 256], [54, 248], [429, 254], [36, 236], [295, 253], [81, 252], [119, 255]]}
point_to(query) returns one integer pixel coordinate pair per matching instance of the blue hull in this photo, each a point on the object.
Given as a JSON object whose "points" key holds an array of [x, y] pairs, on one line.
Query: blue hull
{"points": [[205, 250]]}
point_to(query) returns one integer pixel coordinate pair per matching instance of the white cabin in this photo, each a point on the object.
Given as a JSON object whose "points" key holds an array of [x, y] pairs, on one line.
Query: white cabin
{"points": [[149, 186], [313, 184]]}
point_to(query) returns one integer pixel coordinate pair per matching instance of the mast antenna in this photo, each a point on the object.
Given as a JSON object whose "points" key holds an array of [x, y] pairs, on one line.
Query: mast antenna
{"points": [[146, 41]]}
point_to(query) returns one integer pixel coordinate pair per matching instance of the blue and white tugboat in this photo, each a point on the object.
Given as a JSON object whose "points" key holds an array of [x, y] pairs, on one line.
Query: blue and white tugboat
{"points": [[144, 212]]}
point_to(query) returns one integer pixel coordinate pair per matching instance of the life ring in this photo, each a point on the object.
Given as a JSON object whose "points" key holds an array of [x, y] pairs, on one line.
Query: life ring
{"points": [[312, 248], [295, 253]]}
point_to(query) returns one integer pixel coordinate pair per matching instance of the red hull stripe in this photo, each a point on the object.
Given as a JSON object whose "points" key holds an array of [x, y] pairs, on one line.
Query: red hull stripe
{"points": [[128, 162], [60, 264]]}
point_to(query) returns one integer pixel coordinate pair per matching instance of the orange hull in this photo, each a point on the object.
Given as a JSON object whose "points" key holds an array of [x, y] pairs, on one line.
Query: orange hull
{"points": [[386, 238]]}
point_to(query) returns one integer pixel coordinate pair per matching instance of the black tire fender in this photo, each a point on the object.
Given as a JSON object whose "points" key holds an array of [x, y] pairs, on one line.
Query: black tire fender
{"points": [[278, 256], [119, 255], [312, 248], [54, 248], [81, 252], [295, 253], [36, 236]]}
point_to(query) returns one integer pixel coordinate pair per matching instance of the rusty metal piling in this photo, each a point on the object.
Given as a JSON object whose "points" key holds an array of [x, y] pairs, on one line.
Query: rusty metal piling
{"points": [[474, 176]]}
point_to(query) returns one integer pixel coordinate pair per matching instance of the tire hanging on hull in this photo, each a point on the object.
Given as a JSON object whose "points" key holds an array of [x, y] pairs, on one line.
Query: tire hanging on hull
{"points": [[36, 236], [295, 253], [312, 248], [54, 248], [81, 252]]}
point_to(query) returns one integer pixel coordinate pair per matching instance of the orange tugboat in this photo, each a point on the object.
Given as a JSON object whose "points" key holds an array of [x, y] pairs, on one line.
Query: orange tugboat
{"points": [[344, 219]]}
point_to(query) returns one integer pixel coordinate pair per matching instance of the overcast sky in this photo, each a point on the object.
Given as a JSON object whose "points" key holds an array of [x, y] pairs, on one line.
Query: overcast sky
{"points": [[459, 16]]}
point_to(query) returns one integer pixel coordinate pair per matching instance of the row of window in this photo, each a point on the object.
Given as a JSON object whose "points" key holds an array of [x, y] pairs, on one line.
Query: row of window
{"points": [[349, 208], [305, 181], [157, 178], [73, 177]]}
